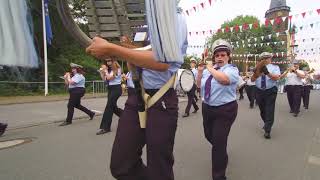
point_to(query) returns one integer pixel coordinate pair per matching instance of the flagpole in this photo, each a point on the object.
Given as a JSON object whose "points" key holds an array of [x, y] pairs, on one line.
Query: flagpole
{"points": [[45, 51]]}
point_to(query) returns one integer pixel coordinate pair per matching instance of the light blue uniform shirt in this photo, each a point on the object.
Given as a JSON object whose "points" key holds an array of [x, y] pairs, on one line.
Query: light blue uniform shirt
{"points": [[195, 73], [117, 79], [129, 80], [273, 69], [155, 79], [221, 94], [79, 81]]}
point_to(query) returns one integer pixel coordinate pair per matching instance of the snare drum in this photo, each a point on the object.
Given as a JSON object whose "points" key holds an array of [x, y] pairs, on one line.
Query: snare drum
{"points": [[184, 80]]}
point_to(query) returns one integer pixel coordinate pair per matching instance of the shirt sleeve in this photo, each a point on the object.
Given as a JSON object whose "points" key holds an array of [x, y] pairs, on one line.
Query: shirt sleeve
{"points": [[76, 78], [233, 74], [183, 32]]}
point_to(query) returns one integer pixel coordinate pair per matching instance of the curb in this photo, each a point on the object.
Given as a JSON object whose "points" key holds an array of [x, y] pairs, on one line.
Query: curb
{"points": [[46, 123]]}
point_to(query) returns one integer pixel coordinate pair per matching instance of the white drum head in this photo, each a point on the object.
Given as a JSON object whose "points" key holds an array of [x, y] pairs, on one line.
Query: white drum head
{"points": [[186, 80]]}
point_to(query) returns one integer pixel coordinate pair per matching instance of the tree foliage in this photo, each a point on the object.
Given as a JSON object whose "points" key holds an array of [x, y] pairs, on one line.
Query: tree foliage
{"points": [[246, 34]]}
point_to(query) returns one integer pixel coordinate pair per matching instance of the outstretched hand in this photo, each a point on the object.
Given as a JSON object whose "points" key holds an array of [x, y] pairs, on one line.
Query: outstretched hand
{"points": [[99, 48]]}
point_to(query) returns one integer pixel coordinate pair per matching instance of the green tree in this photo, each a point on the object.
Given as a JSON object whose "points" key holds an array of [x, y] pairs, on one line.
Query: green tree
{"points": [[238, 36]]}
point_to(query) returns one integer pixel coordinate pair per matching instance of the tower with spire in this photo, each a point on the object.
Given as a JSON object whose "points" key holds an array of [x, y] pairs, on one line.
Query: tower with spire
{"points": [[277, 10]]}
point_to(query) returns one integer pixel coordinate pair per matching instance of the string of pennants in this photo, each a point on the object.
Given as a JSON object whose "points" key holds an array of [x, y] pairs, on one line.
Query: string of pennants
{"points": [[274, 62], [308, 52], [245, 45], [245, 27], [275, 55], [208, 3]]}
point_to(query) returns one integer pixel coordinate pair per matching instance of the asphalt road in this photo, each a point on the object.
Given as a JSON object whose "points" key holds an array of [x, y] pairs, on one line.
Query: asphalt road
{"points": [[76, 153]]}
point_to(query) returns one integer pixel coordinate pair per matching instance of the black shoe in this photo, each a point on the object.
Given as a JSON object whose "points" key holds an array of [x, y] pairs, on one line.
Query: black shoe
{"points": [[3, 128], [102, 131], [65, 123], [267, 135], [185, 115], [251, 106], [295, 114], [92, 115], [196, 110]]}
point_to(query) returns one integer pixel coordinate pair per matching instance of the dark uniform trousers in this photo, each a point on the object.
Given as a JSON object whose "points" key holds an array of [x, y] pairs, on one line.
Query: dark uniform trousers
{"points": [[266, 100], [191, 99], [294, 94], [114, 92], [251, 93], [241, 92], [217, 122], [158, 136], [75, 102], [306, 95]]}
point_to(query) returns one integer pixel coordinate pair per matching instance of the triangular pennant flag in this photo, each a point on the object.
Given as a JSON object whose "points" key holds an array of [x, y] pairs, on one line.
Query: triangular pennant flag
{"points": [[210, 31], [268, 43], [277, 34], [250, 26], [255, 45], [197, 32], [203, 32], [190, 33], [222, 30], [262, 38], [240, 28], [249, 45], [312, 39], [266, 22], [277, 54], [255, 39], [303, 14], [236, 28], [278, 20], [202, 5], [195, 9], [256, 25], [284, 19], [210, 1], [290, 18], [282, 42], [282, 54], [187, 12], [301, 27], [231, 29], [311, 25], [261, 44], [270, 36], [318, 11], [271, 21], [242, 41]]}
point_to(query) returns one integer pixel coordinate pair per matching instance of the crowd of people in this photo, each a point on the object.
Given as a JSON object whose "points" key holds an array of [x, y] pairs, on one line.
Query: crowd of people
{"points": [[150, 115], [218, 81]]}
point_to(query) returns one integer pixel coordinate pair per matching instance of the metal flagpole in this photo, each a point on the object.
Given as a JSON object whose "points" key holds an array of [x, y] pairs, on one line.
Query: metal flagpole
{"points": [[45, 51]]}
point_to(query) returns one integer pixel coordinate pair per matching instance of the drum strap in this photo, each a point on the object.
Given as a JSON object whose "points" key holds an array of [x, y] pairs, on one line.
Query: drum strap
{"points": [[150, 101]]}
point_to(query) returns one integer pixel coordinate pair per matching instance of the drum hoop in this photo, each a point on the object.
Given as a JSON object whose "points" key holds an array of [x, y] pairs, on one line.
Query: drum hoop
{"points": [[180, 79]]}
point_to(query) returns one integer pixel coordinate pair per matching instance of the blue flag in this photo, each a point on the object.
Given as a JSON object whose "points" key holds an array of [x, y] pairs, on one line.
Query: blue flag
{"points": [[48, 23]]}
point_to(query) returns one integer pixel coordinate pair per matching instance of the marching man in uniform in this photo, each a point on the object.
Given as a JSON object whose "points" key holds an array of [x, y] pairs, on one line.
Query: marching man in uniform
{"points": [[192, 93], [266, 76], [294, 87]]}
